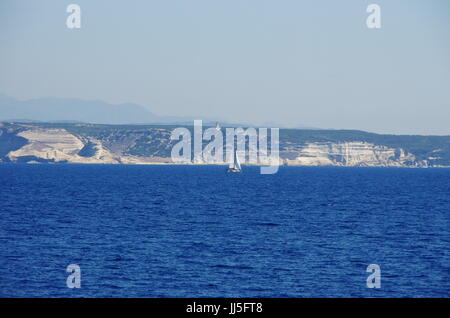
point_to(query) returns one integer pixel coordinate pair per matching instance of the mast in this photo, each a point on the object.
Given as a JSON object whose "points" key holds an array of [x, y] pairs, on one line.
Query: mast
{"points": [[231, 165]]}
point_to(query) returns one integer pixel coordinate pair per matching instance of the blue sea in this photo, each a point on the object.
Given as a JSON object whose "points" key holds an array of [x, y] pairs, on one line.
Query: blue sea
{"points": [[196, 231]]}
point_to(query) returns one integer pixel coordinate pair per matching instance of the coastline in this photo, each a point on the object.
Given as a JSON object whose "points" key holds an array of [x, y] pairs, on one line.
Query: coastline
{"points": [[155, 163]]}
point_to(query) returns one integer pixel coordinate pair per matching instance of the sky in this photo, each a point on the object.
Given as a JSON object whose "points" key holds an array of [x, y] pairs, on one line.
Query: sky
{"points": [[289, 63]]}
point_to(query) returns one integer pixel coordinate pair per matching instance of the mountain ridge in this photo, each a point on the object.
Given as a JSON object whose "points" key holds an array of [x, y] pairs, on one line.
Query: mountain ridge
{"points": [[76, 110]]}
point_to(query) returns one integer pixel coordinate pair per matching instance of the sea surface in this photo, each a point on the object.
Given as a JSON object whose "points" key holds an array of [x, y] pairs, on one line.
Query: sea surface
{"points": [[196, 231]]}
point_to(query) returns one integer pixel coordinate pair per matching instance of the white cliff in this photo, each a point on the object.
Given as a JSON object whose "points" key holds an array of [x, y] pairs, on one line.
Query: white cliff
{"points": [[348, 154], [57, 145]]}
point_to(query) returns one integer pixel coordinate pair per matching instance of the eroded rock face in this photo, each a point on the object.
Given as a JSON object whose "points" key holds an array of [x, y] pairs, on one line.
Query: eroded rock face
{"points": [[351, 154], [56, 145]]}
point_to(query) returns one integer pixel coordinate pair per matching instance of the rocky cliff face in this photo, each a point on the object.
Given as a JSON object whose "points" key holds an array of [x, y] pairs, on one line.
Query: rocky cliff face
{"points": [[55, 145], [349, 154], [85, 143], [58, 145]]}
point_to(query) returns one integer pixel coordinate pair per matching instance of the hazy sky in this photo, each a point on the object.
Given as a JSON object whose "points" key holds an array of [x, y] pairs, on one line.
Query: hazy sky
{"points": [[311, 63]]}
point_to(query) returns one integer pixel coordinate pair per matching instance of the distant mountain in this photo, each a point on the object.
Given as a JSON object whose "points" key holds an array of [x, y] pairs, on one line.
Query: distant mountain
{"points": [[73, 110]]}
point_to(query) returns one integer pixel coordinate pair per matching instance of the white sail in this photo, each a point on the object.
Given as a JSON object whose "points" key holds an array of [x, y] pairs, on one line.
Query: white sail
{"points": [[237, 164]]}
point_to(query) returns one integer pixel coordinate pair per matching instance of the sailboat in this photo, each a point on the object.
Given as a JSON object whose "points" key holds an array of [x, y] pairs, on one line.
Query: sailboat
{"points": [[235, 166]]}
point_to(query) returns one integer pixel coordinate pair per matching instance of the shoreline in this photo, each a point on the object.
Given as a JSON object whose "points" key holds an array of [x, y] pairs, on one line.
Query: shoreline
{"points": [[211, 164]]}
